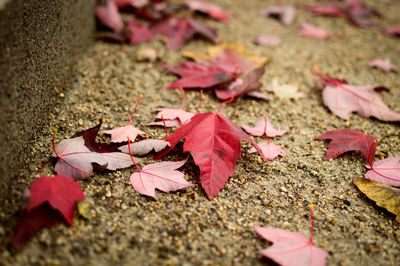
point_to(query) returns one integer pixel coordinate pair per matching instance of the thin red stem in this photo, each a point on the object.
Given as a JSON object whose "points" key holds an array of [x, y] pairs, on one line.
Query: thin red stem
{"points": [[312, 226], [184, 98], [370, 153], [40, 167], [265, 127], [130, 154], [331, 80], [165, 127], [53, 141], [130, 120], [227, 101]]}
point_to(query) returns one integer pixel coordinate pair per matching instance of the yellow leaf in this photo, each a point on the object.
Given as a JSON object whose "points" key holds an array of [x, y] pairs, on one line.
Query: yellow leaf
{"points": [[83, 209], [384, 195], [231, 51]]}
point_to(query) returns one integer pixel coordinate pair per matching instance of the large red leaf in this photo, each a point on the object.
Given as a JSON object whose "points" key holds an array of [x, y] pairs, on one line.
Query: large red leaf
{"points": [[342, 99], [214, 142], [51, 200], [345, 140]]}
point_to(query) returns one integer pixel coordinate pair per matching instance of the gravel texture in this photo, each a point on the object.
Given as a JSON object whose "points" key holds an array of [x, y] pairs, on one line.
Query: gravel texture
{"points": [[186, 228]]}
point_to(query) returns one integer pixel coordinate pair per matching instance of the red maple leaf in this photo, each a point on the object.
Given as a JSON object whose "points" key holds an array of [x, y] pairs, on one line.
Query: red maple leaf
{"points": [[194, 75], [342, 99], [345, 140], [52, 200], [249, 86], [292, 248], [178, 31], [214, 143]]}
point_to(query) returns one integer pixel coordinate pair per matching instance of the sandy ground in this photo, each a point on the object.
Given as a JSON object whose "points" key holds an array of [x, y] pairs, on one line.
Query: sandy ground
{"points": [[185, 227]]}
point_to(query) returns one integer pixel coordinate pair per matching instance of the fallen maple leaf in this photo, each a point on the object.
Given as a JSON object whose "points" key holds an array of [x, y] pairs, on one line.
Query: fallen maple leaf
{"points": [[75, 159], [131, 3], [385, 171], [284, 90], [175, 117], [89, 135], [342, 99], [52, 200], [194, 75], [269, 150], [178, 31], [264, 127], [230, 57], [246, 86], [344, 140], [286, 14], [385, 196], [393, 31], [139, 33], [291, 248], [210, 9], [326, 10], [383, 65], [109, 16], [313, 32], [145, 146], [214, 143], [267, 40], [162, 176], [122, 134]]}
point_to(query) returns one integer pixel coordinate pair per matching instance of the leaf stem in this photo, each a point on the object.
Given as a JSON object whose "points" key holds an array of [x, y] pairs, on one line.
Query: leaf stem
{"points": [[130, 154], [201, 98], [137, 103], [227, 101], [165, 127], [370, 154], [331, 80], [265, 127]]}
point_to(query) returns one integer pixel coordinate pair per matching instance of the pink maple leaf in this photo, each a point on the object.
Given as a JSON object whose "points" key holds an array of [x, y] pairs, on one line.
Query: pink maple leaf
{"points": [[145, 146], [139, 33], [109, 16], [385, 171], [122, 134], [264, 127], [286, 14], [383, 65], [267, 40], [313, 32], [393, 31], [75, 159], [173, 117], [210, 9], [291, 248], [269, 150], [342, 99]]}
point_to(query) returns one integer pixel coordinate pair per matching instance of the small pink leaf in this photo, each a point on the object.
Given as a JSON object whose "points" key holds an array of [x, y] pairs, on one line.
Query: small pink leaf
{"points": [[109, 16], [269, 150], [385, 171], [172, 114], [393, 31], [267, 40], [210, 9], [286, 14], [122, 134], [145, 146], [260, 128], [313, 32], [162, 176], [291, 248], [383, 65]]}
